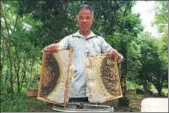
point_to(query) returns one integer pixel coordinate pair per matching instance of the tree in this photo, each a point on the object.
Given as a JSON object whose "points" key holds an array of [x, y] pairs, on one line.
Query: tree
{"points": [[19, 55], [56, 17], [161, 22], [154, 68], [149, 55]]}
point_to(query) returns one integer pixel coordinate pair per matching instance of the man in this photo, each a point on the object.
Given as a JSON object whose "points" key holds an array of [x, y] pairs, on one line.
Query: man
{"points": [[84, 42]]}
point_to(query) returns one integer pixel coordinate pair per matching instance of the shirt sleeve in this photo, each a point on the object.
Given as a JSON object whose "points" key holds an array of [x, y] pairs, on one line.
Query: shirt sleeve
{"points": [[64, 43], [105, 47]]}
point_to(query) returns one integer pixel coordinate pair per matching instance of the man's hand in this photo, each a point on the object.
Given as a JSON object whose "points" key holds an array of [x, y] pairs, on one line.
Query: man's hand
{"points": [[52, 48], [114, 54]]}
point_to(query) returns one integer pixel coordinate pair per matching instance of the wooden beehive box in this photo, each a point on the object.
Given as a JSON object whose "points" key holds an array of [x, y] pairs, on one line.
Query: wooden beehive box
{"points": [[32, 92]]}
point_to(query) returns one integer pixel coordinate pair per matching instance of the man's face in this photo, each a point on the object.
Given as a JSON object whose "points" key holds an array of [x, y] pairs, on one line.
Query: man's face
{"points": [[85, 19]]}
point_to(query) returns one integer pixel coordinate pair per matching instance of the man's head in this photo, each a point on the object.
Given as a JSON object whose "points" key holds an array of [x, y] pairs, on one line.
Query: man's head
{"points": [[85, 17]]}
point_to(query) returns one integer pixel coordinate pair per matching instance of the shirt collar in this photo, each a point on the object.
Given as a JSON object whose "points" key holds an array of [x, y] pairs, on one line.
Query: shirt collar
{"points": [[91, 35]]}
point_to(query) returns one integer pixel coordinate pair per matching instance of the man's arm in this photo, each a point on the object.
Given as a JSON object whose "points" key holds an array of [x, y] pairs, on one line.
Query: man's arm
{"points": [[106, 48], [56, 47]]}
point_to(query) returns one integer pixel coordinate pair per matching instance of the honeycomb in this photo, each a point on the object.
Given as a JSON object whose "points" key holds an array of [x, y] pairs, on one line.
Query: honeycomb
{"points": [[50, 75], [102, 79], [54, 74], [109, 76]]}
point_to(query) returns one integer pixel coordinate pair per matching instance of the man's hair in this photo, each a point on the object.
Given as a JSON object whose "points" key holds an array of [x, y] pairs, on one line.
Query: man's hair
{"points": [[85, 6]]}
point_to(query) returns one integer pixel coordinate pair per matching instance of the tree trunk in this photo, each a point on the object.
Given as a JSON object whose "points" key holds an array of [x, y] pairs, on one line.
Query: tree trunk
{"points": [[159, 88], [10, 70], [17, 69], [123, 77], [8, 44], [24, 74], [159, 91], [9, 56]]}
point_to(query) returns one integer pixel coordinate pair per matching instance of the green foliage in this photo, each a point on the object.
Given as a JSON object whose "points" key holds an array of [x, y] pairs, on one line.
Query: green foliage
{"points": [[20, 56], [161, 18], [134, 105], [161, 22], [57, 19], [154, 69], [132, 85], [21, 103]]}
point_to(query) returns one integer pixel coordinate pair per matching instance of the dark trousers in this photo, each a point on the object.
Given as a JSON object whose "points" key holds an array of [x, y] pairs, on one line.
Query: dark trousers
{"points": [[78, 99]]}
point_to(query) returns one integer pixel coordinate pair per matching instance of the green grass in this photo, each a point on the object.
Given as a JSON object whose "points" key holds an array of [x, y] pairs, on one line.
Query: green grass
{"points": [[22, 103]]}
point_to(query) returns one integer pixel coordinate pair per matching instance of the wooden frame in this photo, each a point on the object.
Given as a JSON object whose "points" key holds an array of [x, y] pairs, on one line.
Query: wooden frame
{"points": [[57, 72], [51, 70]]}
